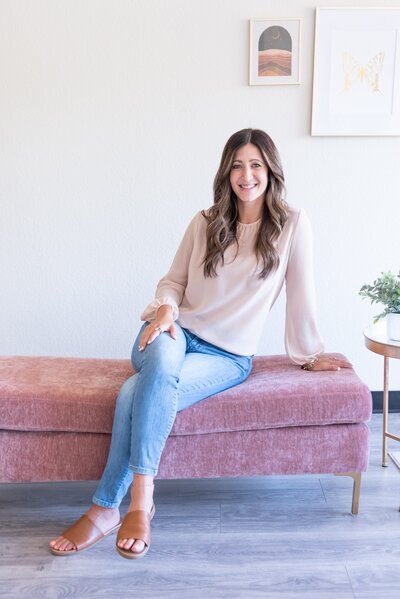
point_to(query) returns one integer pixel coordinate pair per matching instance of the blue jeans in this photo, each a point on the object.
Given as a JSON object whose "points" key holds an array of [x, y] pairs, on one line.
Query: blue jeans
{"points": [[171, 376]]}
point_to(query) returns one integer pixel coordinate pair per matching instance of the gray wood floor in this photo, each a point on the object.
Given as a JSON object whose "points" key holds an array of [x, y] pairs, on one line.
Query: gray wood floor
{"points": [[269, 537]]}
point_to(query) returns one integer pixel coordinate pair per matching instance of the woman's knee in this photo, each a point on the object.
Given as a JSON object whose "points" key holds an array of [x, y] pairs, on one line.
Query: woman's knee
{"points": [[164, 353]]}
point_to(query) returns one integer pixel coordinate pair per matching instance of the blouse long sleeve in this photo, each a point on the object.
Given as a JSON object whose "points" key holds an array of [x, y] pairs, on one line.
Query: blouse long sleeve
{"points": [[171, 287], [302, 339]]}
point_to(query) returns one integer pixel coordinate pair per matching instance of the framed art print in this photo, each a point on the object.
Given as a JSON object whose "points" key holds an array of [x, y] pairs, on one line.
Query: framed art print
{"points": [[356, 87], [274, 51]]}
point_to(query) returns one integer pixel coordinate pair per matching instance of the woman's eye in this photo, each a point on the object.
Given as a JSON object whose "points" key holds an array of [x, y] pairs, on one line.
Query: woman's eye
{"points": [[256, 165], [235, 167]]}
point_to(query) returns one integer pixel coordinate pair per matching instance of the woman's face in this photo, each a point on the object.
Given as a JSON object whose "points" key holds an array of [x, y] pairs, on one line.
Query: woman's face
{"points": [[249, 175]]}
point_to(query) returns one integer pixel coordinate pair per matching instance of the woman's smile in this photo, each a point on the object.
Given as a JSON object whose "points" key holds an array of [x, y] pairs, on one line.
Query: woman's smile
{"points": [[249, 180], [249, 174]]}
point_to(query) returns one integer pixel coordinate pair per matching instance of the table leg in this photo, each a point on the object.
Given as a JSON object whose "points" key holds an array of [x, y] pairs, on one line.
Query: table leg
{"points": [[385, 409]]}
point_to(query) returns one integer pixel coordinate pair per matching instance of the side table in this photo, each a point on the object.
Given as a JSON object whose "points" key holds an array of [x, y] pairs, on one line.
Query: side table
{"points": [[376, 340]]}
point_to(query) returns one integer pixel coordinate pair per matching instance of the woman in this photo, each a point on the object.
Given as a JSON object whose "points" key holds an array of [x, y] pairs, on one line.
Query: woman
{"points": [[203, 328]]}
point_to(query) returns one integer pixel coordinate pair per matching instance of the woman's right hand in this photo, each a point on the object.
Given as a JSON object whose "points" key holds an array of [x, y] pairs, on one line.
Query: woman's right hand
{"points": [[164, 323]]}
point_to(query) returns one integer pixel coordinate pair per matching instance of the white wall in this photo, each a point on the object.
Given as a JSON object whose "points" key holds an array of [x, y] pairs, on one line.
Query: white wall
{"points": [[113, 115]]}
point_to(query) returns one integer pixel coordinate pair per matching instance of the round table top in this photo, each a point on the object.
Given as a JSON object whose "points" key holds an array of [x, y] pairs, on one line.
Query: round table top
{"points": [[376, 339]]}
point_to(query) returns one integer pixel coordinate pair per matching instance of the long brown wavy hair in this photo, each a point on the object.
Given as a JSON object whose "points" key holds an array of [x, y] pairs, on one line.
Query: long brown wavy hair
{"points": [[222, 217]]}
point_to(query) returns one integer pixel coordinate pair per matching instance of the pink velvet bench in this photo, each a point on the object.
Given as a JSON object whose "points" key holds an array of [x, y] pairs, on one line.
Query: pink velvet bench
{"points": [[56, 417]]}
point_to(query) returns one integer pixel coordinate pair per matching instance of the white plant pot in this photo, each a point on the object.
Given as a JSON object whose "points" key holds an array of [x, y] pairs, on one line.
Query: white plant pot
{"points": [[393, 326]]}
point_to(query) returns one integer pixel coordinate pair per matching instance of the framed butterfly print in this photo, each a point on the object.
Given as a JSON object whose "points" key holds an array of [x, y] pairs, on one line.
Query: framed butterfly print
{"points": [[356, 72]]}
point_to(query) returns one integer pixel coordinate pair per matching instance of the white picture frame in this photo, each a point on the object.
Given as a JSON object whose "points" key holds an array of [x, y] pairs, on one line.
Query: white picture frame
{"points": [[274, 55], [356, 86]]}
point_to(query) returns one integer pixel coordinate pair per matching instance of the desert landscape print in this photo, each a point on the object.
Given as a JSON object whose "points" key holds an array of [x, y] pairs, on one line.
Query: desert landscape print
{"points": [[275, 52]]}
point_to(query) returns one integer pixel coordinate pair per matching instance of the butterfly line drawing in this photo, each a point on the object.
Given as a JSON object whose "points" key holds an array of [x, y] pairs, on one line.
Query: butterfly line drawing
{"points": [[368, 74]]}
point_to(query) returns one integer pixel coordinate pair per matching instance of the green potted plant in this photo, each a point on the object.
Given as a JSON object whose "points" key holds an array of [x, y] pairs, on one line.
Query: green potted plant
{"points": [[386, 290]]}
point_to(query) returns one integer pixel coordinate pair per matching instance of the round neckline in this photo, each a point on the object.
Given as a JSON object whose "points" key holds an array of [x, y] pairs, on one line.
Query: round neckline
{"points": [[256, 222]]}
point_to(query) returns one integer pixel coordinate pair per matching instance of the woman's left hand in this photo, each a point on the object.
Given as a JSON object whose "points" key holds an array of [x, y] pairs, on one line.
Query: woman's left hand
{"points": [[329, 363]]}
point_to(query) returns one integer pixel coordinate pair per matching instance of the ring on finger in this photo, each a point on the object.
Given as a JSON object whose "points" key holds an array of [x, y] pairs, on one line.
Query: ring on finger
{"points": [[158, 329]]}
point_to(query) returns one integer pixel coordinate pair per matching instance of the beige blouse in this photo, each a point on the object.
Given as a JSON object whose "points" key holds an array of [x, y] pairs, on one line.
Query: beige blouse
{"points": [[230, 310]]}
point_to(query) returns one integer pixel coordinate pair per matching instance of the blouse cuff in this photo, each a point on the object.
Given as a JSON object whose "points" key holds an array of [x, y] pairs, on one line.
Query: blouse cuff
{"points": [[307, 359], [150, 312], [301, 359]]}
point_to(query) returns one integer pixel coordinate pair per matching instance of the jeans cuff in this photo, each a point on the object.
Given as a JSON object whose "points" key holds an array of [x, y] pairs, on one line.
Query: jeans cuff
{"points": [[103, 503], [146, 471]]}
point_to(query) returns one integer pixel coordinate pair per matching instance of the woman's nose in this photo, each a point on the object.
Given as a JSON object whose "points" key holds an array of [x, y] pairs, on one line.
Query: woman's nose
{"points": [[247, 174]]}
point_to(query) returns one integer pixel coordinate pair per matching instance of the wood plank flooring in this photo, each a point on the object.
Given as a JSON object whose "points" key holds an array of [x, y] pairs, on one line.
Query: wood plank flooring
{"points": [[260, 537]]}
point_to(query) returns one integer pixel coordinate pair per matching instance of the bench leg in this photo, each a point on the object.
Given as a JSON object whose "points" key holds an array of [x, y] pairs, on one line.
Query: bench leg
{"points": [[356, 476]]}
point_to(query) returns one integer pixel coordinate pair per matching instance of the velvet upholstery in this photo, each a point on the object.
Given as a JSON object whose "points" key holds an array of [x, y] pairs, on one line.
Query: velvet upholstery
{"points": [[33, 456], [70, 394], [56, 417]]}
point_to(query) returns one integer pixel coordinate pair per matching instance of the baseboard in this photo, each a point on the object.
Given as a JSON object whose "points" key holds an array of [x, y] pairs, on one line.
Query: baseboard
{"points": [[394, 401]]}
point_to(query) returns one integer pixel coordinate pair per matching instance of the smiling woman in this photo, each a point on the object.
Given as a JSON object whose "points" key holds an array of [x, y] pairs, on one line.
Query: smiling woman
{"points": [[201, 331], [249, 179], [248, 186]]}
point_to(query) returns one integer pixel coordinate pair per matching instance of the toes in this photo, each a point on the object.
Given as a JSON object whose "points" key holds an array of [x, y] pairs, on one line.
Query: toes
{"points": [[125, 543], [135, 546], [138, 546], [63, 545]]}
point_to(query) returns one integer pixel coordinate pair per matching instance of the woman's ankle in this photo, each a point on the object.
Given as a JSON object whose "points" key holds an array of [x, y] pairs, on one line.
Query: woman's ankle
{"points": [[140, 485], [101, 509], [142, 479]]}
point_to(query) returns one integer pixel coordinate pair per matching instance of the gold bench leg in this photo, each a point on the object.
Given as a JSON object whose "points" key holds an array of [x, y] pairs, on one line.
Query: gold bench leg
{"points": [[356, 476]]}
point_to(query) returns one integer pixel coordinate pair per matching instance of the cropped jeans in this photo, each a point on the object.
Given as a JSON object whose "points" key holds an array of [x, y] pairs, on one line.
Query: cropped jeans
{"points": [[171, 376]]}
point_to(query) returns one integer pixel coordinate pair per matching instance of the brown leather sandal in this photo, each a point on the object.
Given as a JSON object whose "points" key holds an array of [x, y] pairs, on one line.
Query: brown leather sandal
{"points": [[136, 525], [83, 534]]}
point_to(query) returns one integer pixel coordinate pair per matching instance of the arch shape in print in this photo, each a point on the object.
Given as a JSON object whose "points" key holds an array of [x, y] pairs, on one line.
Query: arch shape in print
{"points": [[275, 52]]}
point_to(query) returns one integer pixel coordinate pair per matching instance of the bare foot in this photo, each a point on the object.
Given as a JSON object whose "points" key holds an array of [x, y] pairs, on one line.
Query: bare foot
{"points": [[141, 499], [104, 518]]}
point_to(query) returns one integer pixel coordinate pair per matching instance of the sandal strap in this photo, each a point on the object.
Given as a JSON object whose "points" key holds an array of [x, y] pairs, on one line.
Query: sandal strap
{"points": [[83, 533], [135, 525]]}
